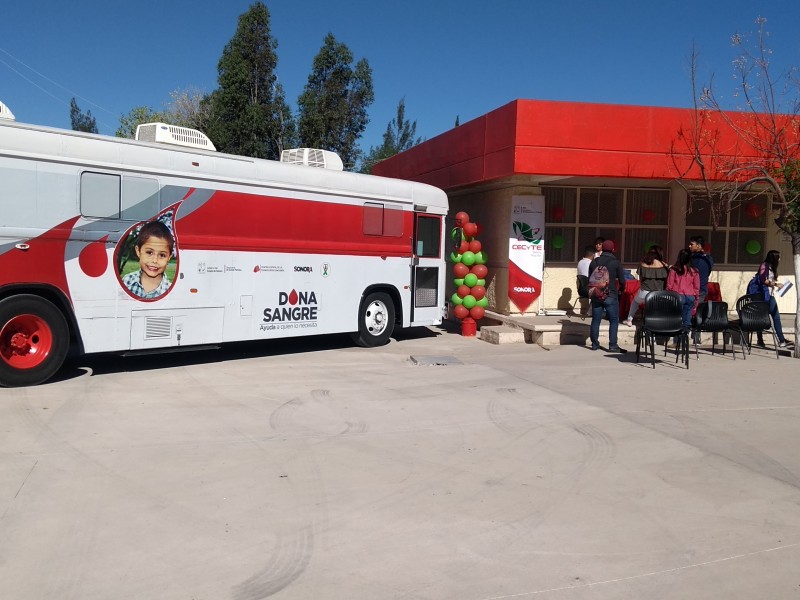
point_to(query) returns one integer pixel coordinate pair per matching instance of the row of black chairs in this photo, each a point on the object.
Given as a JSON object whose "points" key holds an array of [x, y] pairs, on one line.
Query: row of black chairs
{"points": [[663, 318]]}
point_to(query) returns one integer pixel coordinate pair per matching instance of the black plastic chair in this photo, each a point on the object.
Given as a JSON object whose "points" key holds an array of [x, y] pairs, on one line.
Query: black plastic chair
{"points": [[663, 316], [754, 317], [712, 317], [582, 285]]}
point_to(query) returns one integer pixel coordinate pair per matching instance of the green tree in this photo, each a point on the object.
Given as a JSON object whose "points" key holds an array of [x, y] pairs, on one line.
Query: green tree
{"points": [[400, 135], [248, 112], [334, 102], [81, 121], [137, 116]]}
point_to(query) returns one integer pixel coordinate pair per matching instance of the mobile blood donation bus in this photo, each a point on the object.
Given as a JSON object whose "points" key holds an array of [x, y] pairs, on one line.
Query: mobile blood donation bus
{"points": [[117, 245]]}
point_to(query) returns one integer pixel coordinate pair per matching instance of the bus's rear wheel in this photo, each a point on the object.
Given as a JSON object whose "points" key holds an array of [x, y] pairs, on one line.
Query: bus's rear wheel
{"points": [[375, 320], [34, 340]]}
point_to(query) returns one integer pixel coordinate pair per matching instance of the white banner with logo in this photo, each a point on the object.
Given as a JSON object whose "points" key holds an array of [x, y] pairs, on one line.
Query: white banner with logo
{"points": [[526, 250]]}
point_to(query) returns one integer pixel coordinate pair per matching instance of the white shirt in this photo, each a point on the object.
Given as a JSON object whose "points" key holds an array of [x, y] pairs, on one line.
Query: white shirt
{"points": [[583, 266]]}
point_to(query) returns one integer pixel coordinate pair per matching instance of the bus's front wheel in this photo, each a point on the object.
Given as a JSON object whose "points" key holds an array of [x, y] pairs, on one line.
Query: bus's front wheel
{"points": [[375, 320], [34, 340]]}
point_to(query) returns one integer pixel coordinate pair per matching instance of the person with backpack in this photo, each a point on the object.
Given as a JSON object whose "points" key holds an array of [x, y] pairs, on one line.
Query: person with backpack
{"points": [[606, 278], [704, 263], [766, 282], [684, 279]]}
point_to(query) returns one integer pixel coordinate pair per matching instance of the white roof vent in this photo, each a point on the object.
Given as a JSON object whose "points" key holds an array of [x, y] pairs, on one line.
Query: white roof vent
{"points": [[172, 134], [311, 157], [5, 113]]}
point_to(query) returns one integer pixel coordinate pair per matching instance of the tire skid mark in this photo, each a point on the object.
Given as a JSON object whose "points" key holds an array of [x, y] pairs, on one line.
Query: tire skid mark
{"points": [[288, 560], [599, 447]]}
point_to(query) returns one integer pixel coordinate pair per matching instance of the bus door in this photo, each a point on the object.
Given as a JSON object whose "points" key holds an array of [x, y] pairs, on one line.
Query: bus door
{"points": [[427, 275]]}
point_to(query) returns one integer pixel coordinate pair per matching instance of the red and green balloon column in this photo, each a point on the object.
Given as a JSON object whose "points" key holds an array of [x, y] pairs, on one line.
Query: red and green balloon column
{"points": [[469, 267]]}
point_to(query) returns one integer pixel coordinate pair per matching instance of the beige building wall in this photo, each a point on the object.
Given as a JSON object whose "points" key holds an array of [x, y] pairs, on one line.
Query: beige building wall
{"points": [[490, 206]]}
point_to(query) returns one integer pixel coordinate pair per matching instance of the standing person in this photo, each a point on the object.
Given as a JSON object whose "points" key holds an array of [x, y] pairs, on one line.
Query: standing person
{"points": [[583, 279], [598, 246], [684, 279], [704, 263], [768, 276], [610, 304], [652, 272]]}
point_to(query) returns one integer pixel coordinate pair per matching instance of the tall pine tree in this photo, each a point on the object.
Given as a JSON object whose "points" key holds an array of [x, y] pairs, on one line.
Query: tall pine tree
{"points": [[81, 121], [399, 136], [333, 105], [249, 115]]}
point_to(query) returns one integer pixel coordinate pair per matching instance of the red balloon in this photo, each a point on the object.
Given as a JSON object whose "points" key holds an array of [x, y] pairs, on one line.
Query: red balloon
{"points": [[463, 247], [461, 312], [753, 210], [477, 291], [476, 312], [462, 291], [470, 229], [460, 270], [648, 215], [462, 219], [707, 248], [479, 229], [558, 213], [474, 246], [481, 271]]}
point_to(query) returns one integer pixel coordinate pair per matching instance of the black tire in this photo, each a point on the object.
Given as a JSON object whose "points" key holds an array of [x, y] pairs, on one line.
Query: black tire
{"points": [[375, 320], [34, 340]]}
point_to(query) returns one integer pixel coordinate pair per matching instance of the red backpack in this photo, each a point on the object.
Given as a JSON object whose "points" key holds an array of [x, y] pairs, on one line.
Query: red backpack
{"points": [[598, 283]]}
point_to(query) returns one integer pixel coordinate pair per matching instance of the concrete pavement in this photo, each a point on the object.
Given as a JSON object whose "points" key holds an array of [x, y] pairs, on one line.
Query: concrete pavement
{"points": [[312, 469]]}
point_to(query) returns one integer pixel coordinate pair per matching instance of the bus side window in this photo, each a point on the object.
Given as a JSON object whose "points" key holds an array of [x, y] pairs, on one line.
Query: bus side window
{"points": [[428, 236], [383, 219], [100, 195], [140, 198]]}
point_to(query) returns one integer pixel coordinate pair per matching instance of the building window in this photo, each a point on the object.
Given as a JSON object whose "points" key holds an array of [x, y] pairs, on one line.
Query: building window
{"points": [[574, 217], [741, 237]]}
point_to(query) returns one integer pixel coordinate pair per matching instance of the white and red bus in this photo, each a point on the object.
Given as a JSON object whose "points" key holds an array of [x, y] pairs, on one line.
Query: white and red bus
{"points": [[259, 249]]}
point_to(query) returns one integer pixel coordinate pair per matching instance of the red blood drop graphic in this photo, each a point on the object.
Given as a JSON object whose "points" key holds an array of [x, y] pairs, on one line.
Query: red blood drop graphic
{"points": [[293, 298], [93, 259]]}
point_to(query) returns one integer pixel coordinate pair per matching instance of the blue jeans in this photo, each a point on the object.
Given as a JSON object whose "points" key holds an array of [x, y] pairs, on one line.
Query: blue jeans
{"points": [[609, 306], [776, 321], [688, 305]]}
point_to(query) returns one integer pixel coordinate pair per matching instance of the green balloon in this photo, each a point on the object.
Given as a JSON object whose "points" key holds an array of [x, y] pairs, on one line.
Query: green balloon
{"points": [[752, 247], [484, 302], [458, 282], [468, 258], [456, 299], [469, 301], [454, 257], [481, 258], [481, 282], [470, 280], [455, 233], [647, 246], [557, 241]]}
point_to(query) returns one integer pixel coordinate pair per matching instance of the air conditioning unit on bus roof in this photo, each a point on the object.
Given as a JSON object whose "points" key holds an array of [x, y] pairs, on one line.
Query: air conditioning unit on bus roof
{"points": [[173, 134], [5, 113], [312, 157]]}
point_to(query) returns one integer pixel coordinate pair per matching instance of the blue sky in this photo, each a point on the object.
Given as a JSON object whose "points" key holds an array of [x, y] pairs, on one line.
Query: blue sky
{"points": [[447, 58]]}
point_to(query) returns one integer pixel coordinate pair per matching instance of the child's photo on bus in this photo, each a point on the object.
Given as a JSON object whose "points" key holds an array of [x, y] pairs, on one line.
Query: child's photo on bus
{"points": [[147, 262]]}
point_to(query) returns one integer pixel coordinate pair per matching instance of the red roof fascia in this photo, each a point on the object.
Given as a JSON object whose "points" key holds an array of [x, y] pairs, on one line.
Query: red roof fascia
{"points": [[558, 138]]}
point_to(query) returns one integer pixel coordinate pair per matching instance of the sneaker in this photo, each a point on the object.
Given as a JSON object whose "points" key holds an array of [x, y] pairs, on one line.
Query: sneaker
{"points": [[595, 347], [629, 322], [616, 349], [782, 344], [761, 344]]}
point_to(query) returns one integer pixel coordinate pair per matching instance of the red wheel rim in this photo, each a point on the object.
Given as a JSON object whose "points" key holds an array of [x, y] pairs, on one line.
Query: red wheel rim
{"points": [[25, 341]]}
